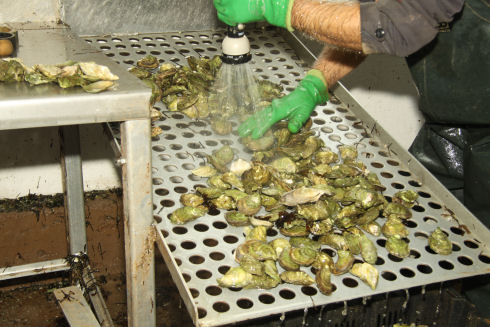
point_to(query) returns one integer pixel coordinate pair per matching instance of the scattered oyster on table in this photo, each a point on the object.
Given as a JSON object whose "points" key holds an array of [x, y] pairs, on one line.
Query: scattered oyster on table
{"points": [[440, 243], [367, 273]]}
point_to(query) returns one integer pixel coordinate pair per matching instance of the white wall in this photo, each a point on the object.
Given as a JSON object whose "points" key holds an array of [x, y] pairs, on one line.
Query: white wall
{"points": [[20, 11]]}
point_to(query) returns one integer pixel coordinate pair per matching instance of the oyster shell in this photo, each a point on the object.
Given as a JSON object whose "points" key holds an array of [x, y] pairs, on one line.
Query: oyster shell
{"points": [[397, 246], [367, 273], [440, 243], [185, 214], [297, 278], [235, 277], [323, 280]]}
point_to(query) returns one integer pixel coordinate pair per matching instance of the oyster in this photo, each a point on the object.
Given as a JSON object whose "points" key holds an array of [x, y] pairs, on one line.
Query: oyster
{"points": [[297, 278], [326, 157], [233, 180], [185, 214], [368, 250], [270, 269], [261, 251], [221, 126], [323, 282], [279, 244], [204, 171], [235, 277], [235, 218], [224, 202], [323, 259], [263, 282], [302, 195], [191, 200], [250, 204], [344, 262], [304, 242], [316, 211], [397, 210], [439, 242], [93, 72], [285, 165], [148, 62], [260, 144], [210, 192], [367, 273], [336, 241], [239, 166], [396, 246], [372, 228], [286, 262], [303, 256], [256, 233], [394, 226], [98, 86], [215, 180], [406, 197], [252, 265], [348, 152], [254, 178]]}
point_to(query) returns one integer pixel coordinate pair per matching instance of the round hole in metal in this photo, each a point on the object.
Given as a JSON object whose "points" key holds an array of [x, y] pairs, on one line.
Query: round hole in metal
{"points": [[201, 313], [176, 147], [350, 282], [334, 138], [319, 121], [330, 252], [217, 256], [244, 303], [424, 194], [194, 292], [221, 306], [465, 261], [213, 290], [187, 277], [434, 205], [211, 143], [414, 254], [381, 242], [398, 186], [181, 189], [326, 130], [418, 208], [328, 111], [171, 247], [157, 181], [183, 155], [409, 223], [350, 136], [272, 232], [224, 269], [456, 247], [164, 233], [204, 274], [308, 290], [471, 244], [393, 162], [194, 178], [457, 230], [158, 219], [230, 239], [170, 168], [386, 174], [179, 230], [367, 155], [188, 166], [484, 258], [211, 242], [429, 250], [194, 145], [187, 135], [388, 275], [377, 164], [214, 212], [336, 119], [178, 261], [379, 261], [415, 183], [430, 220], [287, 294], [383, 153], [201, 228], [406, 272], [394, 258], [220, 225], [161, 191], [444, 264], [188, 245], [196, 259], [266, 298], [164, 157], [176, 179], [421, 235]]}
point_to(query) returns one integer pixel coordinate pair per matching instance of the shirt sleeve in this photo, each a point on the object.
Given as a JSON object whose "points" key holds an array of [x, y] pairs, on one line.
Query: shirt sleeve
{"points": [[401, 27]]}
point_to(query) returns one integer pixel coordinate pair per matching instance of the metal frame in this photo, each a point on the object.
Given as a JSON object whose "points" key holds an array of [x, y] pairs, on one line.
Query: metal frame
{"points": [[22, 106]]}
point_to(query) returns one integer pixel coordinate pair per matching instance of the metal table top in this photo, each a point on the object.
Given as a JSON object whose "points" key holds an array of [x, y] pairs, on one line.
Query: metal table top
{"points": [[24, 106]]}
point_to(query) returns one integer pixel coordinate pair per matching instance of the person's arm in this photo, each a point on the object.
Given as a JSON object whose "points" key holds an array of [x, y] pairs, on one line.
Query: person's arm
{"points": [[335, 63], [336, 23]]}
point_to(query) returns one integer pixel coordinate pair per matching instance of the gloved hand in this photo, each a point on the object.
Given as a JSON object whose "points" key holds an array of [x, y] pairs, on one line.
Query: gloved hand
{"points": [[296, 107], [275, 12]]}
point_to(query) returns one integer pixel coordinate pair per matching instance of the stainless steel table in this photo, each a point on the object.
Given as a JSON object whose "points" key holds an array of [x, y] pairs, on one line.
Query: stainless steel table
{"points": [[23, 106]]}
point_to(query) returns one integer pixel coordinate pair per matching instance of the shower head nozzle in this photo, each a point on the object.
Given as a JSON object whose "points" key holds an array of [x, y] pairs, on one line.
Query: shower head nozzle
{"points": [[236, 47]]}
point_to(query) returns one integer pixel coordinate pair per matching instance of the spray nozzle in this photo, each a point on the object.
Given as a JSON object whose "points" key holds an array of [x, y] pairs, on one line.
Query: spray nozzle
{"points": [[236, 47]]}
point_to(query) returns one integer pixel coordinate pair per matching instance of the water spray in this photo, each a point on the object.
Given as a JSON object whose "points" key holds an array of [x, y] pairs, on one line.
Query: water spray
{"points": [[235, 90]]}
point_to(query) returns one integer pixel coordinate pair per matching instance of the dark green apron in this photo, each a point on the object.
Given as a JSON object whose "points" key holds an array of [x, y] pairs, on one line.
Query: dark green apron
{"points": [[452, 74]]}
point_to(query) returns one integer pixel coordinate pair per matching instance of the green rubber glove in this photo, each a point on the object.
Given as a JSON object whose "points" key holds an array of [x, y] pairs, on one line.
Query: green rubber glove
{"points": [[296, 107], [275, 12]]}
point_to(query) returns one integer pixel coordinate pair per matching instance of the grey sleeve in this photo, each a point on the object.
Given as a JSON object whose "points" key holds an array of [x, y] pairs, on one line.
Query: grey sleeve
{"points": [[401, 27]]}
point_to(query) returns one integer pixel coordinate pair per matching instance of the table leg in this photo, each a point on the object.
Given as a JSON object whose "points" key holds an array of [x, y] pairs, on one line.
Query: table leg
{"points": [[138, 219]]}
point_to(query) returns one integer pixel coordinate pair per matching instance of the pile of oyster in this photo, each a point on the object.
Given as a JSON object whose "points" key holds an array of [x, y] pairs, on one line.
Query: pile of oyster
{"points": [[93, 78], [316, 198], [188, 89]]}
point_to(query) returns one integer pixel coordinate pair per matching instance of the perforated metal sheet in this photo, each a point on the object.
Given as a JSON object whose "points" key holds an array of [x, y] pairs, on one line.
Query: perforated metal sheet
{"points": [[202, 251]]}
